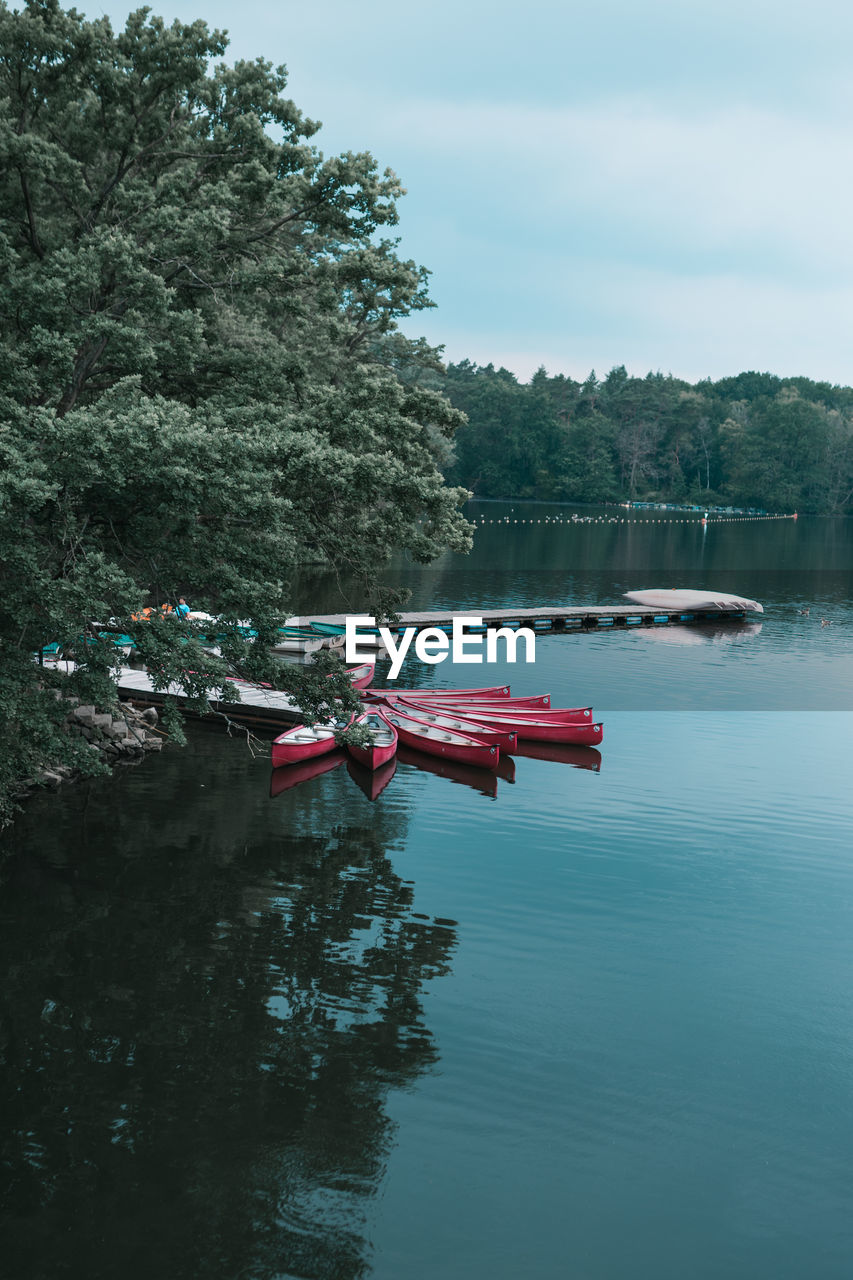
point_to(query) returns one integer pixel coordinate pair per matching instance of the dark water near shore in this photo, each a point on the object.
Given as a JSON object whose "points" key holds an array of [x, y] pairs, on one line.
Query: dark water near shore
{"points": [[590, 1019]]}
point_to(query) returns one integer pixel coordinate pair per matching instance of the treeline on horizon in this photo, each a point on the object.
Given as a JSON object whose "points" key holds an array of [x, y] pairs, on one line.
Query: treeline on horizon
{"points": [[755, 439]]}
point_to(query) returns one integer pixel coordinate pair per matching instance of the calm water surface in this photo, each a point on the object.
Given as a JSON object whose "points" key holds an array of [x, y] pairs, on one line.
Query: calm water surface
{"points": [[589, 1019]]}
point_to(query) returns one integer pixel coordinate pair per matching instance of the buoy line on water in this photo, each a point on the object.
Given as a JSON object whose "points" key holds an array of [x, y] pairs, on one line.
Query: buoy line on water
{"points": [[703, 520]]}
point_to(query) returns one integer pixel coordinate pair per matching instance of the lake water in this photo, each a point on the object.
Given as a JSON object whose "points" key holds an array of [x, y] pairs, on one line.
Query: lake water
{"points": [[588, 1019]]}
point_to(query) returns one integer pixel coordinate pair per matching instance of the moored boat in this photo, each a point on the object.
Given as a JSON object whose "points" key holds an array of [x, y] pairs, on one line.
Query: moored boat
{"points": [[534, 704], [361, 676], [293, 640], [305, 741], [438, 741], [384, 743], [302, 742], [550, 715], [545, 727], [327, 628], [492, 691], [505, 740], [702, 601], [369, 639]]}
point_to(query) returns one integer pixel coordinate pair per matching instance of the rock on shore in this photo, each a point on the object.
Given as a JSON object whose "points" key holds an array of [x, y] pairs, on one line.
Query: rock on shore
{"points": [[121, 737]]}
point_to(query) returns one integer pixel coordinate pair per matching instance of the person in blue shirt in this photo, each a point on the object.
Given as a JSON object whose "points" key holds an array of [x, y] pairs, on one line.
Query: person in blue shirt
{"points": [[182, 608]]}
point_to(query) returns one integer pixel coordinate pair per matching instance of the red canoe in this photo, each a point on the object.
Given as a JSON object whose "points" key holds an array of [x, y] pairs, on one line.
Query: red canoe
{"points": [[541, 702], [305, 742], [446, 718], [542, 727], [361, 677], [384, 743], [293, 774], [495, 691], [372, 781], [550, 715], [447, 743]]}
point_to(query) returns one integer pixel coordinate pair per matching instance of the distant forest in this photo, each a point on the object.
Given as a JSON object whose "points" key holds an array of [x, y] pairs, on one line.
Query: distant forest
{"points": [[756, 440]]}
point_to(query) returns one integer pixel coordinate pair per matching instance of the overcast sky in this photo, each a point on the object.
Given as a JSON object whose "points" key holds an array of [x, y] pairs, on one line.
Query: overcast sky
{"points": [[664, 184]]}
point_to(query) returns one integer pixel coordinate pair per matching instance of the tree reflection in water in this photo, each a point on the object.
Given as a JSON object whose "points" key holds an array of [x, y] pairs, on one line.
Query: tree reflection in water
{"points": [[203, 1010]]}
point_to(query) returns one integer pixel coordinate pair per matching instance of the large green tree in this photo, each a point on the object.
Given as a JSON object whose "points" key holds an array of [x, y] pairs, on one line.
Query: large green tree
{"points": [[199, 356]]}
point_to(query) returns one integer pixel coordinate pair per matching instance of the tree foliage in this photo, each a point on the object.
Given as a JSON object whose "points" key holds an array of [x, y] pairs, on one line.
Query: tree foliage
{"points": [[754, 439], [199, 360]]}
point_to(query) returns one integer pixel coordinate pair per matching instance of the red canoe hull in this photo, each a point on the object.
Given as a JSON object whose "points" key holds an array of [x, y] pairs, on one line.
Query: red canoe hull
{"points": [[464, 749], [506, 742], [545, 727], [290, 752], [499, 691], [287, 749], [541, 702], [583, 735], [374, 757], [545, 715]]}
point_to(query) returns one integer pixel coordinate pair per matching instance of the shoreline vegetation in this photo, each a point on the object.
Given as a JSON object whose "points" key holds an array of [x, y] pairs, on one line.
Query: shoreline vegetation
{"points": [[205, 386], [752, 440]]}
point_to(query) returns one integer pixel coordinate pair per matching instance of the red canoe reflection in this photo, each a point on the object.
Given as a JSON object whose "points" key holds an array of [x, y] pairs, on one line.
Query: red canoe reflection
{"points": [[291, 775], [372, 781], [505, 769], [485, 780], [563, 752]]}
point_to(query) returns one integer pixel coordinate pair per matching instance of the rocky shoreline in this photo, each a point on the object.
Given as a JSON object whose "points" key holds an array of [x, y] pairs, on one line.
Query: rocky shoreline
{"points": [[120, 737]]}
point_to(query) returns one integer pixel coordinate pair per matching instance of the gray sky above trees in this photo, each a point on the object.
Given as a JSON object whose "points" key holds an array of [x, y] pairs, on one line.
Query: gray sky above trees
{"points": [[663, 184]]}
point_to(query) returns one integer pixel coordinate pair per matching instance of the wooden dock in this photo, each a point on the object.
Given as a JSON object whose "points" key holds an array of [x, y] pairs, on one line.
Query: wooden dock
{"points": [[259, 707], [547, 618]]}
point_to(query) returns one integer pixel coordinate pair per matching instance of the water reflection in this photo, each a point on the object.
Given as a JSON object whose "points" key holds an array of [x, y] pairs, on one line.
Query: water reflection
{"points": [[292, 775], [562, 753], [372, 781], [483, 780], [200, 1025], [724, 634]]}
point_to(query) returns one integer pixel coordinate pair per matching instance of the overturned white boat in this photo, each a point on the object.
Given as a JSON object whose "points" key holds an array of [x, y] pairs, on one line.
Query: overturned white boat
{"points": [[688, 601]]}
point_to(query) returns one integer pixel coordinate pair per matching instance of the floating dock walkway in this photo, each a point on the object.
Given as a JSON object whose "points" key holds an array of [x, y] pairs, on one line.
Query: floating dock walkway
{"points": [[555, 617], [263, 708]]}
